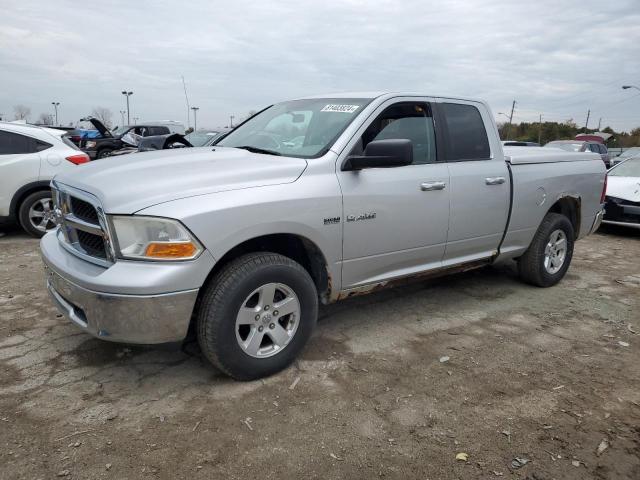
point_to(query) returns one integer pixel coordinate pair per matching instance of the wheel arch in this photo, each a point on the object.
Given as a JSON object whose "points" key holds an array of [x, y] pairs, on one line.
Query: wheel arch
{"points": [[294, 246], [569, 206], [24, 191]]}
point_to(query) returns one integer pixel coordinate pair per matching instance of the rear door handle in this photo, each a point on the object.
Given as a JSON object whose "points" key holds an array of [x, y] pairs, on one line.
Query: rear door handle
{"points": [[429, 186], [494, 180]]}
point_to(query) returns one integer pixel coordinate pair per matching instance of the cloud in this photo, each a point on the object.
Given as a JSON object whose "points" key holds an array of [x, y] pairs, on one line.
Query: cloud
{"points": [[554, 58]]}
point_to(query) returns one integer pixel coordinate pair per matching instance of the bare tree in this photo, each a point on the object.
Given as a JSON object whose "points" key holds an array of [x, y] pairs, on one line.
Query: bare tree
{"points": [[103, 114], [45, 119], [21, 112], [250, 114]]}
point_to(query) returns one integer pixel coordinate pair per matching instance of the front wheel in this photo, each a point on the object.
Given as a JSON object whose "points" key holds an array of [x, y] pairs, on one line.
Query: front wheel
{"points": [[256, 315], [548, 257]]}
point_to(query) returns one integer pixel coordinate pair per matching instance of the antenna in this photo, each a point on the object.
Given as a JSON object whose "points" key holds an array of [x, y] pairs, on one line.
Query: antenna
{"points": [[184, 85]]}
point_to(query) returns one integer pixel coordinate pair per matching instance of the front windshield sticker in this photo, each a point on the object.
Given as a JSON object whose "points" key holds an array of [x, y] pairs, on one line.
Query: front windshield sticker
{"points": [[340, 108]]}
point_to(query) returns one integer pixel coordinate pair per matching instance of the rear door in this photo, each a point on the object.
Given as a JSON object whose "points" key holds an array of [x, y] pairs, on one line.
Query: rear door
{"points": [[480, 183], [394, 219]]}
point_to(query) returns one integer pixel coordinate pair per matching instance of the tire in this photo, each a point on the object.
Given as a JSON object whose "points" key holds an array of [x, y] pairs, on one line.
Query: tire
{"points": [[105, 152], [539, 265], [35, 213], [240, 293]]}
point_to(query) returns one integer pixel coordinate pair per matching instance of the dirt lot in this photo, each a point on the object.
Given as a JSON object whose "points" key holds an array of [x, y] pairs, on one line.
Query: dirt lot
{"points": [[541, 374]]}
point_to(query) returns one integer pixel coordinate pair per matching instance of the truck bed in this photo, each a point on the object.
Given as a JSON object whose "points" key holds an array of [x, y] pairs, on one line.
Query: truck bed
{"points": [[525, 155]]}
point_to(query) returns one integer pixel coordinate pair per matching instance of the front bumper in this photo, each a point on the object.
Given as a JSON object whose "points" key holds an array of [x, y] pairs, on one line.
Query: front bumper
{"points": [[141, 319], [129, 302], [622, 212]]}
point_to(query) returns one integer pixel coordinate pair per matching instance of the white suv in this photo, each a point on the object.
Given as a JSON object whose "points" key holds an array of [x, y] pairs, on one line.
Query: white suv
{"points": [[29, 158]]}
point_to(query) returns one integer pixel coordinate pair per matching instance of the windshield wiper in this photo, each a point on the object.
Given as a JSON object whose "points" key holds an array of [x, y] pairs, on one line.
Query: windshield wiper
{"points": [[251, 149]]}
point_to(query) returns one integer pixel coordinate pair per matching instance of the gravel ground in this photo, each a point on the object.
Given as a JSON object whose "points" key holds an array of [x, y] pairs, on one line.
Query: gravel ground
{"points": [[393, 385]]}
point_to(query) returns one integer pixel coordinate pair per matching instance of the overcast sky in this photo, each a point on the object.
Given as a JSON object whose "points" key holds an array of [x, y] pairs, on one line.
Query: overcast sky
{"points": [[559, 58]]}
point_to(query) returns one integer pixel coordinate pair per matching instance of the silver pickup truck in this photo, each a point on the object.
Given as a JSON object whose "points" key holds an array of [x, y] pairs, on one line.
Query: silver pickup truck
{"points": [[309, 201]]}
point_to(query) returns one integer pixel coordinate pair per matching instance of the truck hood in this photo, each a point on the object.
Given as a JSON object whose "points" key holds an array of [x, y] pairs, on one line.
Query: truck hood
{"points": [[626, 188], [129, 183]]}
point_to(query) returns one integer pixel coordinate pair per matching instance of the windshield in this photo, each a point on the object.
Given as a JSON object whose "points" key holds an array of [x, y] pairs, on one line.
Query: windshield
{"points": [[120, 130], [632, 152], [628, 168], [299, 128], [68, 142], [200, 139], [569, 147]]}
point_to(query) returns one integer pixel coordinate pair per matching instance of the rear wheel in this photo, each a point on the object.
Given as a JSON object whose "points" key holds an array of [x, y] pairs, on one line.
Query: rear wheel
{"points": [[548, 257], [256, 315], [105, 152], [36, 213]]}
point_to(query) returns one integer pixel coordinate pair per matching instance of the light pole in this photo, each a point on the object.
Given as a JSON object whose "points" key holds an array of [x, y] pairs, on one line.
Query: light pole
{"points": [[625, 87], [195, 118], [127, 94], [509, 125], [540, 130], [135, 120], [55, 106], [231, 117]]}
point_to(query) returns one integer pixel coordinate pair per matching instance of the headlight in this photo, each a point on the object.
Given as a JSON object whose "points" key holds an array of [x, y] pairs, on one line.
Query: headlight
{"points": [[153, 238], [90, 144]]}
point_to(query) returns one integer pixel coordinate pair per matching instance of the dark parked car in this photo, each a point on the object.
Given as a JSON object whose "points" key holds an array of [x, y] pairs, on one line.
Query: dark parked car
{"points": [[517, 143], [108, 141], [580, 146]]}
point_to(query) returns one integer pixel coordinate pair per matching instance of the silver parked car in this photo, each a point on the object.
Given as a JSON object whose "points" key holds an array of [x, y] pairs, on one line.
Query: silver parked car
{"points": [[310, 201], [633, 152], [623, 194], [583, 146]]}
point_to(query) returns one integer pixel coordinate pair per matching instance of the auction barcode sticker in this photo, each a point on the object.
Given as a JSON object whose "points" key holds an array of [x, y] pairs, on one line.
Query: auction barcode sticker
{"points": [[340, 108]]}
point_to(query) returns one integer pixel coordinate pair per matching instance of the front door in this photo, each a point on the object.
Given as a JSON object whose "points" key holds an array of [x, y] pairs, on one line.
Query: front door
{"points": [[395, 219]]}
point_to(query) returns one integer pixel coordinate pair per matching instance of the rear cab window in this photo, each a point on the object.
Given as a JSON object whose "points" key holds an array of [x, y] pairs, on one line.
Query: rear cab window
{"points": [[464, 133]]}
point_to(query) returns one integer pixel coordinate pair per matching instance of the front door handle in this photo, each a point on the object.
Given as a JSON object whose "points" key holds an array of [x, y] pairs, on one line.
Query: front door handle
{"points": [[494, 180], [429, 186]]}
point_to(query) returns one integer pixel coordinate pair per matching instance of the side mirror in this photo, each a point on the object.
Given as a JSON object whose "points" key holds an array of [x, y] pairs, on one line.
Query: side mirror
{"points": [[382, 154]]}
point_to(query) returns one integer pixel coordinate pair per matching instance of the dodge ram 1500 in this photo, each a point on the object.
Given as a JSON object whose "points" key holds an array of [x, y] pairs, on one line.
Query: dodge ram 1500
{"points": [[309, 201]]}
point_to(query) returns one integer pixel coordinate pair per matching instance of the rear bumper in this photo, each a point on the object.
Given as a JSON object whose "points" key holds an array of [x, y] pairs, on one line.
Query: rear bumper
{"points": [[597, 221]]}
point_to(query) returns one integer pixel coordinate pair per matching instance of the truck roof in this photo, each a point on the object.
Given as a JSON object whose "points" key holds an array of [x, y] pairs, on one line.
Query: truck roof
{"points": [[389, 94]]}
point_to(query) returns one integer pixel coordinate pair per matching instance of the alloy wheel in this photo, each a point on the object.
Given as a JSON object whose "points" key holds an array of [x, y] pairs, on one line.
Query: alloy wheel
{"points": [[267, 320]]}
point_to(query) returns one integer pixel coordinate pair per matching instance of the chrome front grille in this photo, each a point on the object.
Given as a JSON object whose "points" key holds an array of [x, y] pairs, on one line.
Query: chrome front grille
{"points": [[82, 225]]}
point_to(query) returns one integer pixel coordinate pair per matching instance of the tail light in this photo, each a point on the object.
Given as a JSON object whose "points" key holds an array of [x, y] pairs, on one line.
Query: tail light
{"points": [[604, 190], [78, 158]]}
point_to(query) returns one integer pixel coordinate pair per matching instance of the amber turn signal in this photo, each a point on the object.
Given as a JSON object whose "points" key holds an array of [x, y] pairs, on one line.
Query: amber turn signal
{"points": [[170, 250]]}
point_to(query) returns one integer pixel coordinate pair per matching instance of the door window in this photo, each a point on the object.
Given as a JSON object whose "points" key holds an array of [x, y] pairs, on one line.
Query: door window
{"points": [[407, 120], [158, 131], [14, 143], [465, 134]]}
